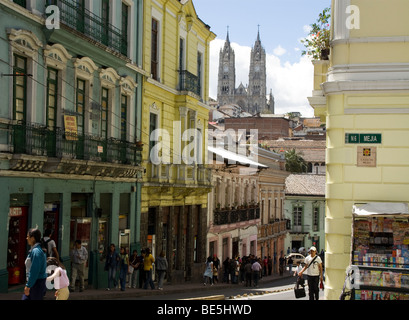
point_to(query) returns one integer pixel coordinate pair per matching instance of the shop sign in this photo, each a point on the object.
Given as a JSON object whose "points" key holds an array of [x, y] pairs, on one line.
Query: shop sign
{"points": [[15, 212], [363, 138], [70, 124]]}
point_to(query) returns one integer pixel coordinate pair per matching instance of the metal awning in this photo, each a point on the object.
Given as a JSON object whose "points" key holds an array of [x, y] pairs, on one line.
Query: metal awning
{"points": [[234, 158], [380, 208]]}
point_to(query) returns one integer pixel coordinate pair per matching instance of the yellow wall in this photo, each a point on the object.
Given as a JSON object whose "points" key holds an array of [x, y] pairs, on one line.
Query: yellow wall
{"points": [[165, 98], [366, 92]]}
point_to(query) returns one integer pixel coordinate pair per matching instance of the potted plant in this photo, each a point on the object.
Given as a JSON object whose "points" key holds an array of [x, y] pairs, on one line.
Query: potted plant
{"points": [[317, 42]]}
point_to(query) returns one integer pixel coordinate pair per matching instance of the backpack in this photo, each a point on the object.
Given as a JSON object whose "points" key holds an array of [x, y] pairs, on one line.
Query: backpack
{"points": [[44, 246]]}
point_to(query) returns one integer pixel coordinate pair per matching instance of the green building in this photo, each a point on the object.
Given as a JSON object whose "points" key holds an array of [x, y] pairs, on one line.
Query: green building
{"points": [[70, 111]]}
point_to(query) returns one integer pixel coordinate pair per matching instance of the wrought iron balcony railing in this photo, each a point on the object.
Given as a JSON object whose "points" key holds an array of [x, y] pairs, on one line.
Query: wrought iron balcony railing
{"points": [[38, 140], [235, 215], [75, 16], [189, 82]]}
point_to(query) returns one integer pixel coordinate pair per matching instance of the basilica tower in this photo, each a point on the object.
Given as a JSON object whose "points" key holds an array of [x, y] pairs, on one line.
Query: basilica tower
{"points": [[227, 74]]}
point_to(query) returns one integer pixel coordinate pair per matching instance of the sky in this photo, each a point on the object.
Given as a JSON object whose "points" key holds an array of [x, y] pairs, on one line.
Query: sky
{"points": [[282, 24]]}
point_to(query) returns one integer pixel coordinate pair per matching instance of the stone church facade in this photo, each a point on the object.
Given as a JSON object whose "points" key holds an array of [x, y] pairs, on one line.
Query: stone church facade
{"points": [[253, 97]]}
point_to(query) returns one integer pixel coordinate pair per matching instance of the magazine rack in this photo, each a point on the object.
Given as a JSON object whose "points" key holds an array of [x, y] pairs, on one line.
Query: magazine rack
{"points": [[380, 252]]}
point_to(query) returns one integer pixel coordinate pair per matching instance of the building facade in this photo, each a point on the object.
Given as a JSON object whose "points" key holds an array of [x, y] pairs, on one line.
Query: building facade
{"points": [[304, 208], [252, 98], [174, 121], [272, 229], [70, 122], [234, 208], [364, 92]]}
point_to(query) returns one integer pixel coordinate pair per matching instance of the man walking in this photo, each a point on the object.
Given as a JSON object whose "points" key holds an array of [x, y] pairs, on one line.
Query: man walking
{"points": [[256, 267], [79, 257], [314, 265]]}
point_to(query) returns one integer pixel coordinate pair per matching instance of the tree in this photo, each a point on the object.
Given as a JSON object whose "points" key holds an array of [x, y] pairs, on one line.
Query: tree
{"points": [[294, 162]]}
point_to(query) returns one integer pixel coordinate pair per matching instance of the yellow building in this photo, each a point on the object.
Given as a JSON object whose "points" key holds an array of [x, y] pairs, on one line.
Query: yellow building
{"points": [[175, 99], [362, 93]]}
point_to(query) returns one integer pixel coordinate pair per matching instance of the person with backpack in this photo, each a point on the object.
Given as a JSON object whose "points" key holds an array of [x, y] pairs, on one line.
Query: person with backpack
{"points": [[79, 257], [48, 245]]}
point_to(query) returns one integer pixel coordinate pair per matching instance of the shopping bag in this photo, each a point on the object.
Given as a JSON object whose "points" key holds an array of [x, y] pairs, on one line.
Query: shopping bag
{"points": [[299, 292]]}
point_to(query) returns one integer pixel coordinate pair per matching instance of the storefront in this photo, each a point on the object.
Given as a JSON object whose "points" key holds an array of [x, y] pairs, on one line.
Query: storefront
{"points": [[96, 212], [380, 251]]}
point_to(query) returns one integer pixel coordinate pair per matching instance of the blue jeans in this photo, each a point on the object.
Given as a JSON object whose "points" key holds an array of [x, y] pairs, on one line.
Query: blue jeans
{"points": [[149, 279], [122, 276], [112, 277]]}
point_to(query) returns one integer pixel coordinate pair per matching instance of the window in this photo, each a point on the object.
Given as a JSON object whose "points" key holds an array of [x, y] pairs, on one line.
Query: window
{"points": [[105, 22], [124, 117], [297, 217], [316, 217], [152, 127], [22, 3], [124, 29], [104, 113], [52, 91], [181, 54], [199, 72], [80, 106], [20, 88], [155, 49]]}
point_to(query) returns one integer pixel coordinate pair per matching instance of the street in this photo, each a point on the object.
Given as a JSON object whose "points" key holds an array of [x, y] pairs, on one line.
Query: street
{"points": [[278, 289]]}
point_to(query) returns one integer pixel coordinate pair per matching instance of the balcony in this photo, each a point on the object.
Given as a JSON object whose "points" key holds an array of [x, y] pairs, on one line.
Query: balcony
{"points": [[75, 16], [222, 217], [189, 82], [276, 228], [57, 150]]}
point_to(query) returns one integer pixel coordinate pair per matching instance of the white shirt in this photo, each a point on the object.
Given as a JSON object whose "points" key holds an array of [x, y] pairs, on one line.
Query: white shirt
{"points": [[313, 269]]}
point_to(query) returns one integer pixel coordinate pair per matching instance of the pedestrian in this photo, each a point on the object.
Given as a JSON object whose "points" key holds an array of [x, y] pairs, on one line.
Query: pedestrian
{"points": [[290, 264], [79, 257], [36, 265], [314, 265], [142, 276], [50, 244], [134, 263], [216, 265], [148, 261], [60, 278], [161, 268], [111, 265], [265, 265], [233, 265], [208, 274], [300, 280], [269, 265], [226, 270], [123, 267], [256, 268], [281, 264], [248, 272]]}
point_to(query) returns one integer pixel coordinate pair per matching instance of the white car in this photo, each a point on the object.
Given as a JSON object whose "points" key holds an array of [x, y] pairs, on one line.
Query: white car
{"points": [[295, 257]]}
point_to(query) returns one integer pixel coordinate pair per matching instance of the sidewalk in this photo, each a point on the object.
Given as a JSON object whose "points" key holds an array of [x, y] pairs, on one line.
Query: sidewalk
{"points": [[103, 294]]}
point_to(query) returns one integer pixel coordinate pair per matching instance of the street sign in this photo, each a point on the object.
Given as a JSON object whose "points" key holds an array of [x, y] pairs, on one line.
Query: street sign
{"points": [[363, 138]]}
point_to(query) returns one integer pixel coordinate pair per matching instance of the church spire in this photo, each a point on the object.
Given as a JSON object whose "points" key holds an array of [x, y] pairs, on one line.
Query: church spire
{"points": [[227, 37], [258, 33]]}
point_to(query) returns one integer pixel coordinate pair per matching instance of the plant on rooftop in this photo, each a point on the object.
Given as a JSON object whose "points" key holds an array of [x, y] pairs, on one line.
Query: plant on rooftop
{"points": [[317, 43]]}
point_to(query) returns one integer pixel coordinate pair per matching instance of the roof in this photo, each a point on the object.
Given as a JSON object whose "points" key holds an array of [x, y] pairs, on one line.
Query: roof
{"points": [[305, 184]]}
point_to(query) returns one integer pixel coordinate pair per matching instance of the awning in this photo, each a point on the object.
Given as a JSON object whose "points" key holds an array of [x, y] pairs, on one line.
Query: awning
{"points": [[235, 158], [380, 208]]}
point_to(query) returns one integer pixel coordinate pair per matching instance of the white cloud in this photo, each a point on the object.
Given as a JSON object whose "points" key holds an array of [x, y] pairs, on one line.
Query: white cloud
{"points": [[291, 83], [279, 51]]}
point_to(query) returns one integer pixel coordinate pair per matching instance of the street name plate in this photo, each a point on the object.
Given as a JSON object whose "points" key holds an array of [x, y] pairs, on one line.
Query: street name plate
{"points": [[363, 138]]}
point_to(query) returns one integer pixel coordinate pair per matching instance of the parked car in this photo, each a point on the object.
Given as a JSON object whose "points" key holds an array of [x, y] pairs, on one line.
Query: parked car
{"points": [[296, 257]]}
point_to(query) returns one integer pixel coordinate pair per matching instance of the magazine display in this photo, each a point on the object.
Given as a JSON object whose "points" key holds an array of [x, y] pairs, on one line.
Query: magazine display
{"points": [[381, 250]]}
